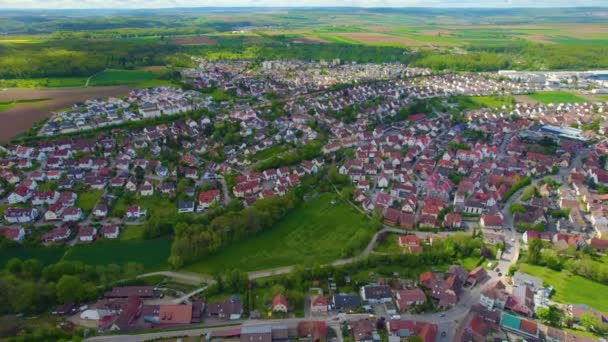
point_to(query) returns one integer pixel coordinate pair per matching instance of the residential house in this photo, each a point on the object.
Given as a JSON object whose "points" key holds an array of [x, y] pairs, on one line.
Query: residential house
{"points": [[20, 215], [87, 234], [110, 231], [280, 304], [376, 293], [319, 306], [405, 298]]}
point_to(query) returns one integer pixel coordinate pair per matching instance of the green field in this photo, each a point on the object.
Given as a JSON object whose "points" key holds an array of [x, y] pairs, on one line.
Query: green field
{"points": [[7, 105], [46, 255], [389, 246], [52, 82], [153, 254], [556, 97], [315, 232], [132, 233], [570, 288], [87, 200], [136, 78]]}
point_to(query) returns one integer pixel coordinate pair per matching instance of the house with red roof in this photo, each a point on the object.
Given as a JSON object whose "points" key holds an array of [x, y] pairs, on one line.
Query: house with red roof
{"points": [[207, 198], [110, 231], [427, 279], [391, 216], [280, 304], [57, 234], [15, 234], [87, 234], [319, 305], [407, 220], [400, 328], [405, 298], [491, 222], [452, 221]]}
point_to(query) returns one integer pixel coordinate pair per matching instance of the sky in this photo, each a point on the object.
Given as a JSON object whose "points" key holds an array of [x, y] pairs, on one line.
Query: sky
{"points": [[135, 4]]}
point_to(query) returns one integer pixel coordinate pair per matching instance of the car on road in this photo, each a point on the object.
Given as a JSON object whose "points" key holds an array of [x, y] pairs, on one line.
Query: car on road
{"points": [[442, 315]]}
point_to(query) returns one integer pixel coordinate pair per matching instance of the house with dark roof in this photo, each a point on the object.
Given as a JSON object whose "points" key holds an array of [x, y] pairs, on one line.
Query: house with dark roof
{"points": [[346, 302], [376, 293]]}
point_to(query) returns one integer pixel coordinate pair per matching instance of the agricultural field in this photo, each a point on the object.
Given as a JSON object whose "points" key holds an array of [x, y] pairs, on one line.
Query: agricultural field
{"points": [[153, 254], [135, 78], [28, 109], [318, 231], [569, 288], [46, 255], [52, 82], [556, 97]]}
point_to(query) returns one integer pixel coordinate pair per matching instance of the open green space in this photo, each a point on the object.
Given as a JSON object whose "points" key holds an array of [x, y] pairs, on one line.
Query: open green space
{"points": [[476, 102], [152, 254], [139, 78], [87, 200], [390, 245], [570, 288], [318, 231], [46, 255], [132, 232], [52, 82], [556, 97], [9, 104], [268, 153]]}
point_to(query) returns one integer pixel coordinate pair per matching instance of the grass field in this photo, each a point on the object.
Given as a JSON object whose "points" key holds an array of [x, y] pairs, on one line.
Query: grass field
{"points": [[53, 82], [556, 97], [46, 255], [136, 78], [315, 232], [570, 288], [390, 245], [87, 200], [11, 104], [152, 254], [132, 233]]}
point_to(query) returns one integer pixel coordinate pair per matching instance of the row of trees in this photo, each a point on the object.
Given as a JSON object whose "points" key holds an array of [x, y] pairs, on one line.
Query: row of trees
{"points": [[579, 262], [29, 287], [193, 241]]}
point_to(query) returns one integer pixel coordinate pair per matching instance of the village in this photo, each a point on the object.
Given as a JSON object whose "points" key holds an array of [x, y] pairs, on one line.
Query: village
{"points": [[508, 178]]}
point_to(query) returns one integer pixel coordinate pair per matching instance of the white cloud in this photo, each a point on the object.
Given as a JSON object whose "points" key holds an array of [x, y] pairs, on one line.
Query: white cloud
{"points": [[131, 4]]}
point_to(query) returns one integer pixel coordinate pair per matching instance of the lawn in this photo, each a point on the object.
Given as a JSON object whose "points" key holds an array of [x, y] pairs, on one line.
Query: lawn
{"points": [[46, 255], [267, 153], [390, 245], [139, 78], [87, 200], [153, 254], [315, 232], [570, 288], [556, 97], [132, 233]]}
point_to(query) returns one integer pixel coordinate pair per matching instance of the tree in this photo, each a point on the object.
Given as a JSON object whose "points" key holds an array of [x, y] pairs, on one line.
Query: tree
{"points": [[14, 266], [535, 246], [590, 321], [517, 208], [550, 315], [70, 289]]}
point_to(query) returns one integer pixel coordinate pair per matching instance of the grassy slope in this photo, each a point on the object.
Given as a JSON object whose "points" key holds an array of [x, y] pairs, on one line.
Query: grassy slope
{"points": [[152, 254], [46, 255], [569, 288], [556, 97], [315, 232]]}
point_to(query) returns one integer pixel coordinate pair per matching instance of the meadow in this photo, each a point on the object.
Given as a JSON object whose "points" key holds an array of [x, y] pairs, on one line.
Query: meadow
{"points": [[153, 254], [87, 200], [317, 231], [556, 97], [569, 288], [135, 78], [46, 255]]}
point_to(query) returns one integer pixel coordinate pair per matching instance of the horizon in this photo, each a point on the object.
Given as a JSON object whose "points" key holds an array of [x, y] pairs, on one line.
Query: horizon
{"points": [[125, 5]]}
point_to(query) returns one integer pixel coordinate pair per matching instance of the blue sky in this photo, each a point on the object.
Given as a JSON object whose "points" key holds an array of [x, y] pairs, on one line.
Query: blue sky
{"points": [[59, 4]]}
